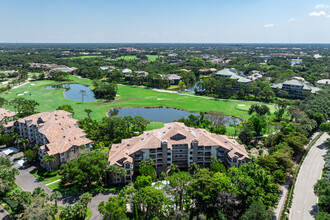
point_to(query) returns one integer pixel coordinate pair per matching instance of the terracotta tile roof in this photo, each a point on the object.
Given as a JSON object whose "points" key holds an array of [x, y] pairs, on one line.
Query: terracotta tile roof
{"points": [[153, 139], [61, 131], [4, 113]]}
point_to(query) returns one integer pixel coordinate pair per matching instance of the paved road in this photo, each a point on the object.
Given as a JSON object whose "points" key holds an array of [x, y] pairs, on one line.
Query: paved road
{"points": [[4, 215], [304, 204], [28, 182]]}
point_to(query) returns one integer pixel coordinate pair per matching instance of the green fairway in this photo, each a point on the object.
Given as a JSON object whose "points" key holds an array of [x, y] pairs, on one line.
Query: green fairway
{"points": [[86, 57], [150, 57], [128, 96], [126, 58]]}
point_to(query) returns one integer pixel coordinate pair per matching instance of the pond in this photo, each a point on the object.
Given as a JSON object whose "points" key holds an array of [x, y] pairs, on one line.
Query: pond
{"points": [[294, 62], [191, 88], [76, 92], [166, 115]]}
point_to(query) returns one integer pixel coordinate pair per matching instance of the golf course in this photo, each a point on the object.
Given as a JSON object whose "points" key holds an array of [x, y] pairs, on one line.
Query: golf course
{"points": [[127, 96]]}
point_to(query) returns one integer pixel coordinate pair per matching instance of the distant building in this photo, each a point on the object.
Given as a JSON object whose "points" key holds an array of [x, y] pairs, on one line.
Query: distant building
{"points": [[64, 69], [173, 78], [176, 144], [56, 132], [107, 67], [125, 71], [316, 56], [53, 67], [232, 74], [299, 78], [129, 49], [207, 71], [185, 70], [140, 74], [295, 89], [323, 82], [205, 56], [172, 55], [256, 75]]}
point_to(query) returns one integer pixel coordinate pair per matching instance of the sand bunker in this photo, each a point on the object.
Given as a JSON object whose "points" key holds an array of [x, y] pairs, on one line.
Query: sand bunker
{"points": [[32, 84], [241, 105], [20, 94]]}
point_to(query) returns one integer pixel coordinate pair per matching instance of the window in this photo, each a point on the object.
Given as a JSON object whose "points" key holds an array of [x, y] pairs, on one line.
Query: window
{"points": [[127, 165], [235, 160]]}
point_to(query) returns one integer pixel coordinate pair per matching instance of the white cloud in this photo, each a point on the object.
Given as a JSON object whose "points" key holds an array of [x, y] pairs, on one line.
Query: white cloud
{"points": [[321, 6], [291, 19], [269, 25], [317, 14], [328, 16]]}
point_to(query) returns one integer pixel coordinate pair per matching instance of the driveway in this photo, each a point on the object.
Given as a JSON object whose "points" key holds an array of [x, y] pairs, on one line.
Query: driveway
{"points": [[304, 204], [4, 214], [28, 182]]}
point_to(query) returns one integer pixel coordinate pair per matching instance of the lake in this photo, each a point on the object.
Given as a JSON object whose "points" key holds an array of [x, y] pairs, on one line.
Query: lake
{"points": [[191, 88], [166, 115], [294, 62], [74, 92]]}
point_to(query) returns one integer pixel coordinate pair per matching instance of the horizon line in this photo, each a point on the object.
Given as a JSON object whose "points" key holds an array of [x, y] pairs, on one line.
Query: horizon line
{"points": [[158, 43]]}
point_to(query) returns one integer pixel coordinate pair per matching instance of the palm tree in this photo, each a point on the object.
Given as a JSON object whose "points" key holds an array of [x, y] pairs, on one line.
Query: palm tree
{"points": [[173, 169], [88, 111], [16, 137], [83, 93], [48, 159], [24, 142], [56, 196], [193, 168]]}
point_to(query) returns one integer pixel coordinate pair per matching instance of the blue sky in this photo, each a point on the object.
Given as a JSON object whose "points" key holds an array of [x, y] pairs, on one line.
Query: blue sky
{"points": [[165, 21]]}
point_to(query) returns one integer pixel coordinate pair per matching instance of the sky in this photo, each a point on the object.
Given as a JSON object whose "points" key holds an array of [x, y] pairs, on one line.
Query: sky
{"points": [[165, 21]]}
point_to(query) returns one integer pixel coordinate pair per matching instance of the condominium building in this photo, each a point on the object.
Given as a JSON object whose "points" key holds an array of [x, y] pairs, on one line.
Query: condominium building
{"points": [[232, 74], [176, 144], [294, 88], [6, 115], [56, 132]]}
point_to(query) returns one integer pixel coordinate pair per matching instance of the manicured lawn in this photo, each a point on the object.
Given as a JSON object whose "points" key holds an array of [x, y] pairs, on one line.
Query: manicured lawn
{"points": [[54, 186], [78, 190], [155, 125], [45, 179], [150, 57], [128, 96], [86, 57], [127, 58]]}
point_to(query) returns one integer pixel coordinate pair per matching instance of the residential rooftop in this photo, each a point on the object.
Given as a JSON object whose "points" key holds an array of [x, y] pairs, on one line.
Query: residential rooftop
{"points": [[174, 133]]}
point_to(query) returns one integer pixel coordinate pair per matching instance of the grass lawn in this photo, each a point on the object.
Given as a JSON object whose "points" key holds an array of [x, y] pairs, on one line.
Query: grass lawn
{"points": [[40, 175], [85, 57], [154, 125], [128, 96], [150, 57], [127, 58], [79, 190], [54, 186]]}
